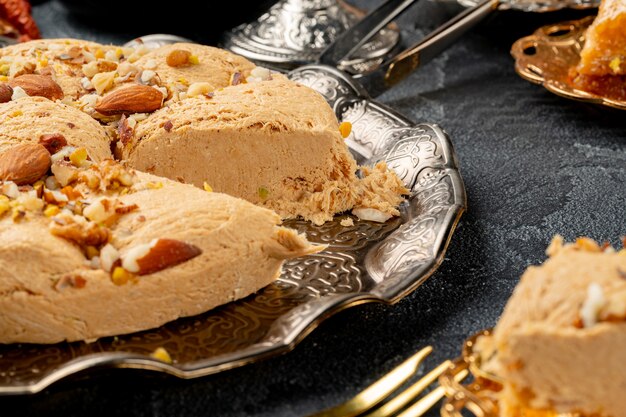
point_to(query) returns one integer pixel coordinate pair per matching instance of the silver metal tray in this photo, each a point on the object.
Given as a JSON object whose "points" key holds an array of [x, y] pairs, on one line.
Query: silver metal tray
{"points": [[364, 263]]}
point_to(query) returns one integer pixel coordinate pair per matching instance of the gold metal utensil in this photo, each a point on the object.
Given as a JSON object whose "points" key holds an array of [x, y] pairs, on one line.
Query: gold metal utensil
{"points": [[389, 397]]}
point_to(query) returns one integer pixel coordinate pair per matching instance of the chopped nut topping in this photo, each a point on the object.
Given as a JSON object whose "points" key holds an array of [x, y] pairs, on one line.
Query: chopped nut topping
{"points": [[55, 197], [124, 130], [103, 81], [371, 214], [347, 222], [71, 193], [263, 193], [17, 93], [106, 211], [109, 256], [147, 76], [126, 68], [590, 310], [9, 189], [259, 74], [64, 172], [150, 64], [79, 157], [197, 89], [79, 230], [70, 281]]}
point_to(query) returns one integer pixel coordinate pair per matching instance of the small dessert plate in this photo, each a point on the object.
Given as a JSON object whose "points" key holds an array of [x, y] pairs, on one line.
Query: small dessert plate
{"points": [[480, 397], [547, 56]]}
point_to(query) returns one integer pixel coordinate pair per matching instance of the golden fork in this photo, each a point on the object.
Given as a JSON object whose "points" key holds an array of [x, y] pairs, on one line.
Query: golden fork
{"points": [[377, 399]]}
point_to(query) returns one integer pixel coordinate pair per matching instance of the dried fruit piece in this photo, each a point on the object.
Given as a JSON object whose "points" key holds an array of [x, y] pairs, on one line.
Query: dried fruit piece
{"points": [[131, 99], [178, 58], [345, 128], [51, 210], [79, 157], [237, 78], [162, 355], [18, 14], [168, 126], [6, 91], [120, 276], [124, 130], [53, 142], [38, 85], [24, 164], [158, 255]]}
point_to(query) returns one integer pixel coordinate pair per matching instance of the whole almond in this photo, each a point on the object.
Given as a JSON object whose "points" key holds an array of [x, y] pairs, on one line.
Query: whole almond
{"points": [[53, 142], [132, 99], [5, 93], [178, 58], [24, 164], [38, 85], [166, 253]]}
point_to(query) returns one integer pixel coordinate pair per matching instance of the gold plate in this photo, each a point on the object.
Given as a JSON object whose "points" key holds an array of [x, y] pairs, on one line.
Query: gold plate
{"points": [[480, 397], [547, 56]]}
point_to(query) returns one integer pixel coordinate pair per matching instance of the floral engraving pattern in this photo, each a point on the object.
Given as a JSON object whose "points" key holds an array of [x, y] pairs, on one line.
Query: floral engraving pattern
{"points": [[296, 31]]}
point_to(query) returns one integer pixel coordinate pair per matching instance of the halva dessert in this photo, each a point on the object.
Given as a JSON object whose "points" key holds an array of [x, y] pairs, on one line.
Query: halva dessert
{"points": [[559, 343], [95, 249], [204, 116], [602, 67]]}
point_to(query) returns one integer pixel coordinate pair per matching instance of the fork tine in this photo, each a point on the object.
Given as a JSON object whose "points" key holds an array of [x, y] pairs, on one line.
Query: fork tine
{"points": [[408, 395], [429, 400], [379, 390]]}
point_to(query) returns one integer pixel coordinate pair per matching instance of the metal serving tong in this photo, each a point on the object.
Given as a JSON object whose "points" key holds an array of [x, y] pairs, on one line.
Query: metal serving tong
{"points": [[395, 69]]}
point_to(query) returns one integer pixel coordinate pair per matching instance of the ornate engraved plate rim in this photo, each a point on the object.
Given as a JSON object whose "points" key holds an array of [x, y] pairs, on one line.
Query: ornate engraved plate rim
{"points": [[408, 249]]}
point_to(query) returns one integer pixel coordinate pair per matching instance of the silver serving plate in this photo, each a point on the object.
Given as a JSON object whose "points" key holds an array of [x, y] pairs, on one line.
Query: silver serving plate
{"points": [[295, 32], [367, 262]]}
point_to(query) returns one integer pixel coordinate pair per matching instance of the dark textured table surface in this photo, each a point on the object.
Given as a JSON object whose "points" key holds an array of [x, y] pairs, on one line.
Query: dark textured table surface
{"points": [[534, 165]]}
